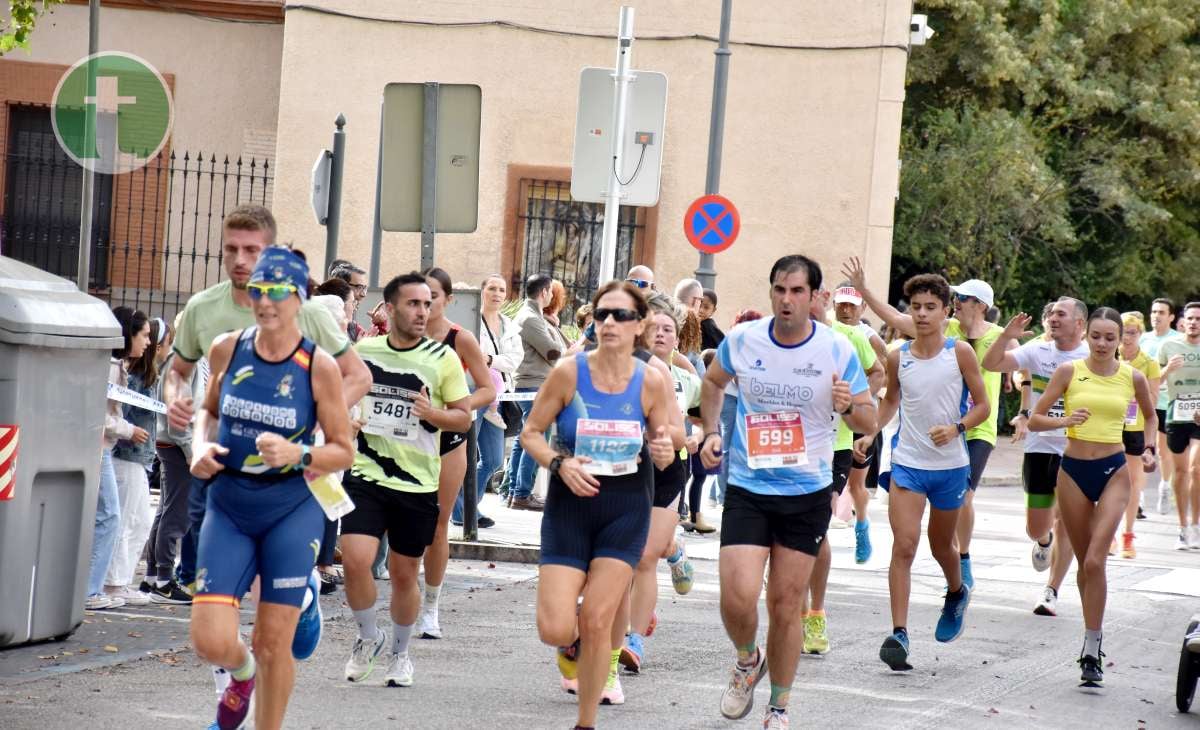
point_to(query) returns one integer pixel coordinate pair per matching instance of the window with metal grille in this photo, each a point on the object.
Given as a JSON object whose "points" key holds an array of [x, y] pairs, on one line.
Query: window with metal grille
{"points": [[559, 236]]}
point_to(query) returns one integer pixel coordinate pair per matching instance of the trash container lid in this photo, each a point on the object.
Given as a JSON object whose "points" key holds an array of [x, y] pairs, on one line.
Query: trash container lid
{"points": [[41, 309]]}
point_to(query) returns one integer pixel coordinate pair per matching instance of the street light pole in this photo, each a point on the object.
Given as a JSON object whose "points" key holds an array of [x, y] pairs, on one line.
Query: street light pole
{"points": [[705, 273], [84, 262]]}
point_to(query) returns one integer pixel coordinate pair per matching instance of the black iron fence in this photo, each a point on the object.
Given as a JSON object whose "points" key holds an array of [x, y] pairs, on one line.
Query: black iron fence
{"points": [[157, 236], [562, 237]]}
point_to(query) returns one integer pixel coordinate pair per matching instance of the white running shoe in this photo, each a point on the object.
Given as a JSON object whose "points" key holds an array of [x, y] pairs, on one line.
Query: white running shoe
{"points": [[399, 671], [1182, 542], [1048, 605], [101, 601], [363, 656], [130, 596], [838, 524], [612, 694], [427, 623], [1164, 498], [1041, 555], [738, 698], [1194, 537]]}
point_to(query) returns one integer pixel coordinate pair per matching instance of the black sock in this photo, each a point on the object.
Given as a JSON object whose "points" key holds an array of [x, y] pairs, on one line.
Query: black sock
{"points": [[964, 556]]}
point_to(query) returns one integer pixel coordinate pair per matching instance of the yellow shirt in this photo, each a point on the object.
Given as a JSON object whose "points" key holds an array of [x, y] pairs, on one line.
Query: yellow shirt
{"points": [[1106, 398], [1148, 366]]}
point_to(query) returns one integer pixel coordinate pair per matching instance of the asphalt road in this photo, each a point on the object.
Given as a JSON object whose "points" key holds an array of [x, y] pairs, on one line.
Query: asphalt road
{"points": [[1010, 668]]}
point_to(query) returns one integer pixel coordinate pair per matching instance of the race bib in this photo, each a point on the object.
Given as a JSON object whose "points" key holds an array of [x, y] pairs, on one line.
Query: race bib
{"points": [[390, 414], [612, 446], [775, 440], [1131, 413], [1185, 409], [681, 397], [1058, 410], [330, 494]]}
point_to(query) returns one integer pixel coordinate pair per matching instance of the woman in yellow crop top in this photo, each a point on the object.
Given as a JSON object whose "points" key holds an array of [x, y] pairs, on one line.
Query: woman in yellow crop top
{"points": [[1093, 482]]}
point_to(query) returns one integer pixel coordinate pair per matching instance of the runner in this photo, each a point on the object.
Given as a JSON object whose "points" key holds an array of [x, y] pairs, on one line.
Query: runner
{"points": [[1135, 424], [1065, 323], [666, 317], [1181, 370], [1162, 315], [935, 383], [1093, 483], [453, 445], [253, 442], [597, 514], [419, 390], [793, 376], [972, 299], [816, 634]]}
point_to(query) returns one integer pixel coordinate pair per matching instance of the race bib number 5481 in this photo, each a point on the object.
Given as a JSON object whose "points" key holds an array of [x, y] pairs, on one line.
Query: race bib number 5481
{"points": [[775, 440]]}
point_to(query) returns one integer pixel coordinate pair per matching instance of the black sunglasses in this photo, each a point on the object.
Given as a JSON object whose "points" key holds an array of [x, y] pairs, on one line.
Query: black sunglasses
{"points": [[620, 315]]}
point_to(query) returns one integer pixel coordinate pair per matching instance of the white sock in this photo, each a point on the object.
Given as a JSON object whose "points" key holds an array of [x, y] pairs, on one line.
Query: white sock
{"points": [[368, 630], [432, 594], [400, 636], [1091, 643], [161, 582], [220, 679], [308, 599]]}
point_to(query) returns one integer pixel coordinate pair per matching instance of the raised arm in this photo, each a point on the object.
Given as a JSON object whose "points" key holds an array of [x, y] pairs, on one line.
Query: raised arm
{"points": [[853, 270], [999, 358]]}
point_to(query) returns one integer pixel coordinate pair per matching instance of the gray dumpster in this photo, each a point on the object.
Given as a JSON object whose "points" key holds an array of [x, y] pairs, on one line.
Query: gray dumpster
{"points": [[55, 344]]}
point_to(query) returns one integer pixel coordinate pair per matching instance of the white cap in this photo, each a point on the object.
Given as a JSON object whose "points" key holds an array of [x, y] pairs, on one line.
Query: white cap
{"points": [[977, 288], [844, 294]]}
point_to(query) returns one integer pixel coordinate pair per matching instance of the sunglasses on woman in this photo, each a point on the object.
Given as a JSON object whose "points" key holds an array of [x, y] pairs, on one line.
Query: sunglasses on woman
{"points": [[620, 315], [274, 292]]}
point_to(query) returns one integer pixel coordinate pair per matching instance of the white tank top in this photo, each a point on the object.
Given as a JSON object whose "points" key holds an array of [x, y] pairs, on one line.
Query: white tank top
{"points": [[932, 393]]}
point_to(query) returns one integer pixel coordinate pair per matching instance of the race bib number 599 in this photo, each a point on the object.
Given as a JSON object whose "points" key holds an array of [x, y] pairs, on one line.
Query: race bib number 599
{"points": [[775, 440]]}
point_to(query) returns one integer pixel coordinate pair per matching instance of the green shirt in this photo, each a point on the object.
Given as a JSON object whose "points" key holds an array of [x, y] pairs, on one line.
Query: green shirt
{"points": [[1150, 342], [991, 381], [412, 463], [1183, 383], [866, 355], [213, 312]]}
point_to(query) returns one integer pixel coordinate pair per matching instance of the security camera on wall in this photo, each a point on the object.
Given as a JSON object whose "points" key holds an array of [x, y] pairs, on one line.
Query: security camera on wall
{"points": [[919, 31]]}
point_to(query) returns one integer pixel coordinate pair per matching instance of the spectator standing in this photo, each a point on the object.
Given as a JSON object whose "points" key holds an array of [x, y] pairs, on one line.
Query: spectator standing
{"points": [[357, 279], [541, 348], [710, 334]]}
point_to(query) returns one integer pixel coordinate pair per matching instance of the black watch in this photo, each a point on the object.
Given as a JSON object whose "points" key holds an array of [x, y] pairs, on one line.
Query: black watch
{"points": [[305, 456], [555, 465], [1024, 412], [961, 428]]}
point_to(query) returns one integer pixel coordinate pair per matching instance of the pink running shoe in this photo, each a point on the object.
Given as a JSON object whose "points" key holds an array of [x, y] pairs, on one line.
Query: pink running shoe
{"points": [[234, 704]]}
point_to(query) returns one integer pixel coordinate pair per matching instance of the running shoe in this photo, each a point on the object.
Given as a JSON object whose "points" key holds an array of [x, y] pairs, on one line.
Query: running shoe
{"points": [[427, 623], [1182, 542], [1192, 640], [894, 651], [632, 653], [234, 704], [1141, 515], [170, 594], [775, 719], [838, 524], [1091, 670], [128, 595], [954, 612], [1194, 537], [363, 656], [1048, 605], [568, 658], [862, 542], [570, 686], [101, 601], [612, 694], [308, 628], [1164, 498], [399, 671], [738, 698], [1128, 551], [682, 572], [1041, 554], [968, 577], [816, 641]]}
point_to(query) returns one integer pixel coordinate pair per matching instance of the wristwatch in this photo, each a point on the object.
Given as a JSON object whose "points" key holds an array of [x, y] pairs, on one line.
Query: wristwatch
{"points": [[1024, 412], [961, 428], [555, 465], [305, 456]]}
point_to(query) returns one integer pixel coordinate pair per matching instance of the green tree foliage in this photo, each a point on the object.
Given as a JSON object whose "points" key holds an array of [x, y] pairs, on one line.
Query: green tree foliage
{"points": [[23, 16], [1053, 146]]}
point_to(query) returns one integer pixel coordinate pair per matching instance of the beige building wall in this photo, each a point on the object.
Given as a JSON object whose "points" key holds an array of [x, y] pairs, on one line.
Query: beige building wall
{"points": [[226, 95], [811, 136]]}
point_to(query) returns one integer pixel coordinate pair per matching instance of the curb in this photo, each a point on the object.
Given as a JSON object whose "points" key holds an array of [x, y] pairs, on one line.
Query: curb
{"points": [[1010, 480], [495, 552]]}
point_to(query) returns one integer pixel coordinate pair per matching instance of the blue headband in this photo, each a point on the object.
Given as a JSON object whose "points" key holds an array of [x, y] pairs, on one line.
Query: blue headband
{"points": [[279, 265]]}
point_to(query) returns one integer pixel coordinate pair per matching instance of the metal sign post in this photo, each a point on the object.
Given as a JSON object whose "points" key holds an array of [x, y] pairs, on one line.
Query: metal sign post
{"points": [[612, 201], [333, 213], [87, 203], [705, 273]]}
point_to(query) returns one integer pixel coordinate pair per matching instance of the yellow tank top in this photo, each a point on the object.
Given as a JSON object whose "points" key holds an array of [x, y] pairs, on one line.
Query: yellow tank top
{"points": [[1107, 398]]}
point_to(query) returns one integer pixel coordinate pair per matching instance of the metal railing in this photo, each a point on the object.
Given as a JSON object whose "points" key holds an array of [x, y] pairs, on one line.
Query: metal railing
{"points": [[562, 237], [157, 238]]}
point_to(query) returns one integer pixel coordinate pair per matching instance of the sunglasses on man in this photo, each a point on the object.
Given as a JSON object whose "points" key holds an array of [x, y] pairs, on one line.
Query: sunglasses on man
{"points": [[641, 283]]}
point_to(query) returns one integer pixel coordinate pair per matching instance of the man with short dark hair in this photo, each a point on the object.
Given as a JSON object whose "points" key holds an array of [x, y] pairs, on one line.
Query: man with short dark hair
{"points": [[1162, 315], [542, 350]]}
